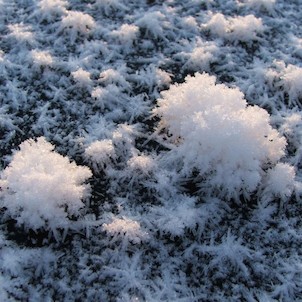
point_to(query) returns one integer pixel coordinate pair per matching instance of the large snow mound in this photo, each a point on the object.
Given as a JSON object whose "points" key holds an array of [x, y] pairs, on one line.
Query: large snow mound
{"points": [[217, 133]]}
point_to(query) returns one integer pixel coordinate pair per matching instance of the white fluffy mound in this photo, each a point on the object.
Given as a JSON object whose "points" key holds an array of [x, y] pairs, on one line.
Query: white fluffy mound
{"points": [[100, 153], [126, 229], [281, 180], [42, 189], [235, 29], [217, 133]]}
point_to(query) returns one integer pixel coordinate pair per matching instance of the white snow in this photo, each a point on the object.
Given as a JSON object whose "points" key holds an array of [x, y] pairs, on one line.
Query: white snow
{"points": [[126, 229], [281, 180], [228, 144], [76, 23], [100, 153], [150, 150], [126, 34], [52, 8], [42, 58], [42, 189], [242, 28], [82, 77]]}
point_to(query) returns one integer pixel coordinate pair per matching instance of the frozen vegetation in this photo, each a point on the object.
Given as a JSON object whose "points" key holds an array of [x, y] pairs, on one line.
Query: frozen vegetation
{"points": [[151, 150]]}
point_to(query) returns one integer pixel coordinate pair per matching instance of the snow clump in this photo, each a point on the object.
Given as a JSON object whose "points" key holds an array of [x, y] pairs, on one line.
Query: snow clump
{"points": [[100, 153], [287, 78], [42, 189], [50, 9], [291, 79], [77, 23], [41, 58], [125, 229], [235, 29], [110, 6], [82, 77], [126, 34], [21, 33], [153, 23], [281, 180], [217, 133], [259, 5], [201, 56]]}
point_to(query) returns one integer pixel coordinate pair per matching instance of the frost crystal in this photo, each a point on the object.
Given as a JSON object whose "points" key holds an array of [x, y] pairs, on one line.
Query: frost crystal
{"points": [[126, 34], [281, 180], [200, 57], [82, 77], [100, 153], [183, 215], [42, 189], [21, 32], [259, 5], [75, 23], [109, 6], [52, 8], [111, 76], [125, 228], [292, 81], [153, 23], [41, 58]]}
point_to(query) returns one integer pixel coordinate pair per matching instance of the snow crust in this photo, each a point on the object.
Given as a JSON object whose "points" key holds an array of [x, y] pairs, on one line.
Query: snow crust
{"points": [[150, 150]]}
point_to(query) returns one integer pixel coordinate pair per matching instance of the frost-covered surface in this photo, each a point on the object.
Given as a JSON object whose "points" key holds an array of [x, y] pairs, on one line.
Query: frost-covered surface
{"points": [[150, 150]]}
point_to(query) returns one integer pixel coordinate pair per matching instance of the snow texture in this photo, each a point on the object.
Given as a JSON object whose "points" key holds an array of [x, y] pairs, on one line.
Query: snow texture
{"points": [[150, 150]]}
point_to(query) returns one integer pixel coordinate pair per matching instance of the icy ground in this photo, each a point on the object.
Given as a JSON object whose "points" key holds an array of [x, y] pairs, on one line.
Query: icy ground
{"points": [[151, 150]]}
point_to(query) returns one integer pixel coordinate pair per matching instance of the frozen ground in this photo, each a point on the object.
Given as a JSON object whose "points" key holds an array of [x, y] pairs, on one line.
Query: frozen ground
{"points": [[150, 150]]}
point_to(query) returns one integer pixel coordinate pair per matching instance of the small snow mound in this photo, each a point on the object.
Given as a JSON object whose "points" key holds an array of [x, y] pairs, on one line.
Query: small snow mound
{"points": [[142, 163], [292, 81], [281, 180], [125, 228], [100, 153], [82, 77], [21, 32], [126, 34], [52, 8], [153, 23], [76, 23], [41, 188], [236, 28], [41, 58], [260, 5]]}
